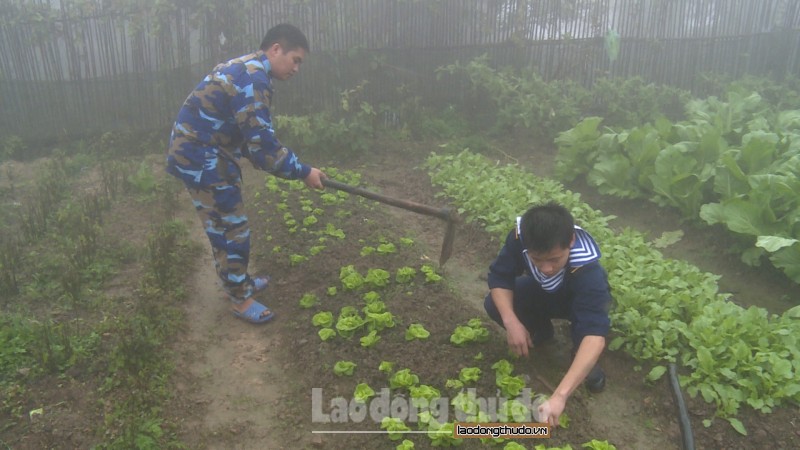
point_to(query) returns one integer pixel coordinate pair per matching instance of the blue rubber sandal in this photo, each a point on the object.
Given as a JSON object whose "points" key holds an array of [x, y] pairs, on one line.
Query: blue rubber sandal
{"points": [[253, 314]]}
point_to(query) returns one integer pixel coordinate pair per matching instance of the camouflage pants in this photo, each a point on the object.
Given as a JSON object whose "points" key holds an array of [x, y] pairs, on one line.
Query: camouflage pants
{"points": [[221, 211]]}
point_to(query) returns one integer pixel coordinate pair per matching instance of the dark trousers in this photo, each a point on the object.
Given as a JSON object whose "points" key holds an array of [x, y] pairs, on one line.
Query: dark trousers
{"points": [[534, 306]]}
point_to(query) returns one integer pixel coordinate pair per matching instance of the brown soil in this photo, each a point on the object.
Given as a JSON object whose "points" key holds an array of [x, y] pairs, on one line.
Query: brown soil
{"points": [[244, 386]]}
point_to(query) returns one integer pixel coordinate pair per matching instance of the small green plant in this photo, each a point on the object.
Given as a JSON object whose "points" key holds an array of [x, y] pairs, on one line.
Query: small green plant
{"points": [[349, 321], [395, 427], [386, 367], [423, 395], [315, 250], [363, 393], [344, 368], [308, 300], [406, 241], [430, 273], [377, 277], [350, 278], [595, 444], [326, 333], [296, 259], [372, 297], [405, 274], [403, 379], [405, 445], [386, 248], [367, 250], [322, 319], [379, 321], [469, 374], [371, 339], [474, 331], [416, 331], [143, 181], [310, 220]]}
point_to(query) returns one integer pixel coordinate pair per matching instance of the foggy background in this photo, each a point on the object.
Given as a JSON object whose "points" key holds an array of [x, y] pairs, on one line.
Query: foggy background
{"points": [[75, 67]]}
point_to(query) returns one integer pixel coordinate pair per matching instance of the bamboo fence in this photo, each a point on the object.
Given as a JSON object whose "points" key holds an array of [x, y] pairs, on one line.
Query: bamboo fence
{"points": [[74, 67]]}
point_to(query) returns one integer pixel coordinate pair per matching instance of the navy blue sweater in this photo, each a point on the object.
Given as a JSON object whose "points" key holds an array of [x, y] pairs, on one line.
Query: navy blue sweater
{"points": [[585, 287]]}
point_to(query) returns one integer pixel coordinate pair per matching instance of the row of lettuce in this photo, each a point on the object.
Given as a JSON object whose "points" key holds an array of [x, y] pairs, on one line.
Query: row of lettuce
{"points": [[358, 314], [733, 162], [665, 310]]}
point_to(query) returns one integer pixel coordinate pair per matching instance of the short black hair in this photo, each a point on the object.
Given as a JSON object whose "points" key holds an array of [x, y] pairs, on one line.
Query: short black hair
{"points": [[288, 36], [545, 227]]}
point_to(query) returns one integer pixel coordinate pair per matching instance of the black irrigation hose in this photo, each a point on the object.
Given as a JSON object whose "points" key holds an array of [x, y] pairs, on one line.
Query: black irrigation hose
{"points": [[683, 413]]}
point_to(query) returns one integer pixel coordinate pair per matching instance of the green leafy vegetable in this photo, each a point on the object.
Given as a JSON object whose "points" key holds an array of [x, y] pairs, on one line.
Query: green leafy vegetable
{"points": [[416, 331], [308, 300], [363, 393], [326, 333], [370, 339], [322, 319], [344, 368], [403, 379]]}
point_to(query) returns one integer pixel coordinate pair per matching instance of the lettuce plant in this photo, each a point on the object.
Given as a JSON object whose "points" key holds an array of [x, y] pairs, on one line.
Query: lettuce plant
{"points": [[326, 333], [403, 379], [405, 445], [386, 248], [347, 325], [363, 393], [308, 300], [430, 273], [405, 274], [416, 331], [377, 277], [343, 368], [395, 427], [423, 391], [371, 297], [322, 319], [371, 339], [386, 366], [296, 259], [468, 374], [379, 321], [350, 278]]}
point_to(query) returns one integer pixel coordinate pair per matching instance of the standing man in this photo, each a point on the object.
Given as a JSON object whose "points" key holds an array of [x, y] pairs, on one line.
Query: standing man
{"points": [[225, 118], [549, 268]]}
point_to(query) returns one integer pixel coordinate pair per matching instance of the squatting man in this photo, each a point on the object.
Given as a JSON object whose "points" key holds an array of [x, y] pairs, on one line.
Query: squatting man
{"points": [[550, 268]]}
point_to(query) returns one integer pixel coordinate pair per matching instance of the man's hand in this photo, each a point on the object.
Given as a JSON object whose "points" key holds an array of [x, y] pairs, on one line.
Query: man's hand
{"points": [[314, 178], [519, 339], [551, 410]]}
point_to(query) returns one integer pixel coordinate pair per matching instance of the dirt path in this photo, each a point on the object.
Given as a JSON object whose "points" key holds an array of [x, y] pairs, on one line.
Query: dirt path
{"points": [[228, 370]]}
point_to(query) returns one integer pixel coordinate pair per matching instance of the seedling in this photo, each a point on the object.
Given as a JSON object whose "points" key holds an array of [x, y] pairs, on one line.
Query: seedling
{"points": [[308, 300], [326, 333], [403, 379], [395, 427], [322, 319], [469, 374], [416, 331], [405, 274], [363, 393], [377, 277], [371, 339], [344, 368]]}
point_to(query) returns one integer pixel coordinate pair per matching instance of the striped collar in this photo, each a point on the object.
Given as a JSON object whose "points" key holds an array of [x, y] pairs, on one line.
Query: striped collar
{"points": [[584, 251]]}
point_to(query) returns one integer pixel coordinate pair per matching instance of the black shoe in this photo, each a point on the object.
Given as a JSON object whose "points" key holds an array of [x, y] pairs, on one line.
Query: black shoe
{"points": [[543, 334], [596, 380]]}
